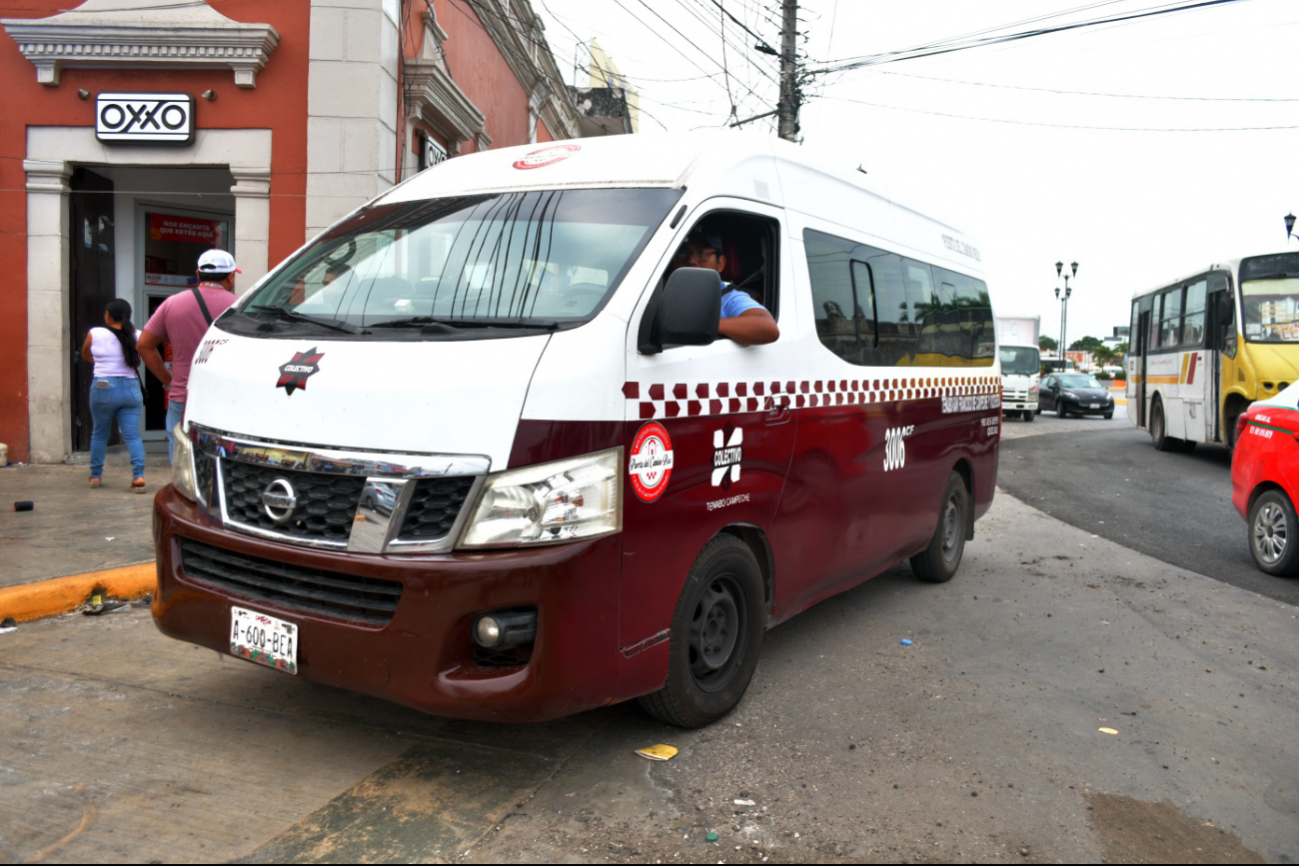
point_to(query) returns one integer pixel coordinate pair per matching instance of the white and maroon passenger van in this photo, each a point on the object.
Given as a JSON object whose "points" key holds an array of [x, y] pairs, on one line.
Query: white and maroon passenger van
{"points": [[475, 451]]}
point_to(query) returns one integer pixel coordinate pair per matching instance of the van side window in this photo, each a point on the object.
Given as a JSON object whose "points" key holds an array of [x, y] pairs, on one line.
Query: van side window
{"points": [[875, 308], [962, 317], [859, 302]]}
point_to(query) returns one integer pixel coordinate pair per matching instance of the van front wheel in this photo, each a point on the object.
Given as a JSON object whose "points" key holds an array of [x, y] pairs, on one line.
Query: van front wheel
{"points": [[716, 634], [939, 562]]}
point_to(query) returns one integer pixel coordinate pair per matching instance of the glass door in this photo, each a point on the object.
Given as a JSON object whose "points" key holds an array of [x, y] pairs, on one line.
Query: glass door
{"points": [[172, 239]]}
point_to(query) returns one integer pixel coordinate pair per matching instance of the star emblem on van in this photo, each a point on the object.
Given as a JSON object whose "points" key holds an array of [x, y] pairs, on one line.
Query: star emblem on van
{"points": [[294, 374]]}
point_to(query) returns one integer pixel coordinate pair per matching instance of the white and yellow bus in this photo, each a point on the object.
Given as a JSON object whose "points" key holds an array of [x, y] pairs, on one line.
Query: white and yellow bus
{"points": [[1204, 347]]}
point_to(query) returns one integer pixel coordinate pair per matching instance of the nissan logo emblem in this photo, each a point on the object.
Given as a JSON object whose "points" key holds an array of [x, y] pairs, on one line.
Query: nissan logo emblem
{"points": [[279, 499]]}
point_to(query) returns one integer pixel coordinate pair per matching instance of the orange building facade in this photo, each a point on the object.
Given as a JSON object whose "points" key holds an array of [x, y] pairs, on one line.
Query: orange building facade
{"points": [[141, 132]]}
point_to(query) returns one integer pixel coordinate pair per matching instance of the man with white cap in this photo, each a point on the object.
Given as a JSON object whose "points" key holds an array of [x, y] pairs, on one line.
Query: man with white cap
{"points": [[183, 319]]}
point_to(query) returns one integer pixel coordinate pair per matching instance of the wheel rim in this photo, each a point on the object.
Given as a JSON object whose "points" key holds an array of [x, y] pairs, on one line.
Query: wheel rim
{"points": [[1270, 533], [716, 631], [951, 527]]}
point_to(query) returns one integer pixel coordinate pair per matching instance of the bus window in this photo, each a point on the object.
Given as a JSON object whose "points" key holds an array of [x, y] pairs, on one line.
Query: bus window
{"points": [[1135, 329], [1170, 322], [1193, 324]]}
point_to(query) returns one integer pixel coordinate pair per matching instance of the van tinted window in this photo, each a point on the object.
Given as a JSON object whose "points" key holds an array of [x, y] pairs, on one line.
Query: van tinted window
{"points": [[880, 309]]}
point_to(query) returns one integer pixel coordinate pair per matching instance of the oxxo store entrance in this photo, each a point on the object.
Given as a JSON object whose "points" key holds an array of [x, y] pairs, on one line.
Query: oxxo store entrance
{"points": [[132, 221], [138, 233]]}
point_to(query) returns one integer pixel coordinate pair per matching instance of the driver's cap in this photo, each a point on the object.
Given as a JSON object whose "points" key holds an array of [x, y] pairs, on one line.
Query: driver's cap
{"points": [[217, 262]]}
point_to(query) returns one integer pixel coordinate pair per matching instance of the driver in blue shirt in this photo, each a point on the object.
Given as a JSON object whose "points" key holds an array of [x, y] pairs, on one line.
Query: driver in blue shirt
{"points": [[743, 319]]}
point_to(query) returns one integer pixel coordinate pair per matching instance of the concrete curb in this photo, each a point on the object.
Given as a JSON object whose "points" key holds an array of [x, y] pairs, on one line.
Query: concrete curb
{"points": [[62, 594]]}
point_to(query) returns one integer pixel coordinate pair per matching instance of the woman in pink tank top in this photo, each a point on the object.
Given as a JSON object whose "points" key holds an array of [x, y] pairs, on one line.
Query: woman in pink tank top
{"points": [[115, 391]]}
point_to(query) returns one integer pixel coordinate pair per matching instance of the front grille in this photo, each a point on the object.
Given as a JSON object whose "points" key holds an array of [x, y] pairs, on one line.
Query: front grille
{"points": [[205, 476], [434, 507], [364, 599], [326, 503]]}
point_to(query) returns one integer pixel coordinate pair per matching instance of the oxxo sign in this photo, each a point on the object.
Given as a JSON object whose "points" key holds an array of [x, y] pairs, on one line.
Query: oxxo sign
{"points": [[145, 118]]}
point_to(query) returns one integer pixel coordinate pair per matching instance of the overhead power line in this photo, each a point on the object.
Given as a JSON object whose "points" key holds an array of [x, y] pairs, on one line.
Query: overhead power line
{"points": [[1091, 92], [896, 56], [1061, 125]]}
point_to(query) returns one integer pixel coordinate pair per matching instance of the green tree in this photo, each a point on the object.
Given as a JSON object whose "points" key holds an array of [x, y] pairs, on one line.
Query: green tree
{"points": [[1103, 356], [1046, 344], [1086, 344]]}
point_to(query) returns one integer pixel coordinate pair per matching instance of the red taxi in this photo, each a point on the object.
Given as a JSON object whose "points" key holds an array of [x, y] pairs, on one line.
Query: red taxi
{"points": [[1265, 479]]}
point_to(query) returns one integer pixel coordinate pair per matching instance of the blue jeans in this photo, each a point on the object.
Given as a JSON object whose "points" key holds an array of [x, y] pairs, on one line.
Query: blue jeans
{"points": [[116, 397], [175, 411]]}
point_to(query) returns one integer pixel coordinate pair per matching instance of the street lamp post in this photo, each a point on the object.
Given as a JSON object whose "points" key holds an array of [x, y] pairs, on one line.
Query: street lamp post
{"points": [[1289, 228], [1064, 302]]}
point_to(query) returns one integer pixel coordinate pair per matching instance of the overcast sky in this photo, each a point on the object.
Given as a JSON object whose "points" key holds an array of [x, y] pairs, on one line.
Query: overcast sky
{"points": [[1134, 208]]}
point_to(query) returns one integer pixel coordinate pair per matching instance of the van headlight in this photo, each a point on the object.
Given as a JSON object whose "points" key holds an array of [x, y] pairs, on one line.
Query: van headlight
{"points": [[182, 465], [564, 500]]}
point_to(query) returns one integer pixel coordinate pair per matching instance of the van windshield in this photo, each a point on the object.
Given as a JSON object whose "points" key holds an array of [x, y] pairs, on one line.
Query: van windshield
{"points": [[464, 267]]}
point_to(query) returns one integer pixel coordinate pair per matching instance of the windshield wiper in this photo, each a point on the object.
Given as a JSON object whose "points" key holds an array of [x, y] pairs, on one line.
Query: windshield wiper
{"points": [[428, 321], [294, 316]]}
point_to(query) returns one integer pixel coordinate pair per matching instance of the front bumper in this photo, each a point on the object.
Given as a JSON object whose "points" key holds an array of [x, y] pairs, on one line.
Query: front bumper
{"points": [[1078, 407], [424, 658]]}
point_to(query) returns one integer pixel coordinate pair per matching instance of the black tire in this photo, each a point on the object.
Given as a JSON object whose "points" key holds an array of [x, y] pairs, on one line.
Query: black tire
{"points": [[1060, 411], [716, 635], [1273, 534], [1159, 429], [941, 559], [1030, 415], [1109, 415]]}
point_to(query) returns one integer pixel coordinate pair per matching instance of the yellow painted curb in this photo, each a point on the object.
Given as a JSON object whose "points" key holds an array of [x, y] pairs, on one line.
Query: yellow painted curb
{"points": [[62, 594]]}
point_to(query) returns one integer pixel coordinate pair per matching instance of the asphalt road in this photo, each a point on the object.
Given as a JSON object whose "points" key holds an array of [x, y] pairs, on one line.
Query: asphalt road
{"points": [[1107, 478], [1064, 699]]}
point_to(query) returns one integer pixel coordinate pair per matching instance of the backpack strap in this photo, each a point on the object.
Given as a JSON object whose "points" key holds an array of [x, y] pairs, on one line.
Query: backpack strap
{"points": [[202, 305]]}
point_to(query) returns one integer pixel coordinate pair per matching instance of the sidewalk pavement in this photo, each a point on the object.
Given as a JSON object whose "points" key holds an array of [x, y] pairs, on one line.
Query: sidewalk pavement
{"points": [[73, 529]]}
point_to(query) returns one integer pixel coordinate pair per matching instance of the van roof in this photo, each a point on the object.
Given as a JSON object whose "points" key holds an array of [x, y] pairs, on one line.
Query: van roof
{"points": [[732, 163]]}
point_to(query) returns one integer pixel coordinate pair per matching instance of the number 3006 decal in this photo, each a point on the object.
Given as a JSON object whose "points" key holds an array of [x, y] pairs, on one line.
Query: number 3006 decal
{"points": [[895, 447]]}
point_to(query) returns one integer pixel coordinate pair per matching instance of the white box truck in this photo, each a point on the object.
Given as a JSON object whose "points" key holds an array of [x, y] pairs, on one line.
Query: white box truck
{"points": [[1021, 365]]}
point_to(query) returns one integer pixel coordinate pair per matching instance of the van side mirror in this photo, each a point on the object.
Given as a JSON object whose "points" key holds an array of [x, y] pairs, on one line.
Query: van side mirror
{"points": [[688, 310]]}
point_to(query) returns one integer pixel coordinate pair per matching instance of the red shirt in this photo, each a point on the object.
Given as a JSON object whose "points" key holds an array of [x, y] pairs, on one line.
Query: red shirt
{"points": [[180, 320]]}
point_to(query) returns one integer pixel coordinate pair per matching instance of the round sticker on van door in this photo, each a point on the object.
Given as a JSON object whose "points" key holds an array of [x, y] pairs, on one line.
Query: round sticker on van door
{"points": [[650, 464], [548, 156]]}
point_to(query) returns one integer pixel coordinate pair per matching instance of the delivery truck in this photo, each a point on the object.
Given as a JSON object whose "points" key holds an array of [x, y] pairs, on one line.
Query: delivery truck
{"points": [[1021, 365]]}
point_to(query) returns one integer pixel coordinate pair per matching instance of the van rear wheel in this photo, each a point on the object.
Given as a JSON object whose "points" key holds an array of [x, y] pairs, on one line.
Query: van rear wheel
{"points": [[939, 562], [716, 635]]}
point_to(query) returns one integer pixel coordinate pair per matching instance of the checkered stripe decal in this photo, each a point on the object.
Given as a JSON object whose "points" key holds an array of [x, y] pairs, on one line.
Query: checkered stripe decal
{"points": [[657, 400]]}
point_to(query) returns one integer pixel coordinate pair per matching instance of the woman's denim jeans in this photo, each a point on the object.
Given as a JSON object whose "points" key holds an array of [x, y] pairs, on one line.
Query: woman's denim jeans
{"points": [[116, 397]]}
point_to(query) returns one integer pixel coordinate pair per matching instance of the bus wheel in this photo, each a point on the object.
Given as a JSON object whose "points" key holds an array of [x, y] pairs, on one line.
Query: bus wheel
{"points": [[1272, 529], [940, 560], [1159, 430], [716, 635]]}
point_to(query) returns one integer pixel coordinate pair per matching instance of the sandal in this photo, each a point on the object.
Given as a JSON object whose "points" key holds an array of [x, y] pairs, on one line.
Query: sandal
{"points": [[137, 486], [95, 483]]}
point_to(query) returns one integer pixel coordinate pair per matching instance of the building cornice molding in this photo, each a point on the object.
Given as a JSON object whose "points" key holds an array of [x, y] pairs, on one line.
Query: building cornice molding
{"points": [[439, 102], [142, 38]]}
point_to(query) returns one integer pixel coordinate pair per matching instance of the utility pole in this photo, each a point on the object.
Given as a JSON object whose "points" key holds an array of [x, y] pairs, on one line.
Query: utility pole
{"points": [[789, 97]]}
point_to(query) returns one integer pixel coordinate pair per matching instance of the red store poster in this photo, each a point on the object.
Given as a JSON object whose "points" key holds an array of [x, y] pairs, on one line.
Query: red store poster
{"points": [[190, 230]]}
